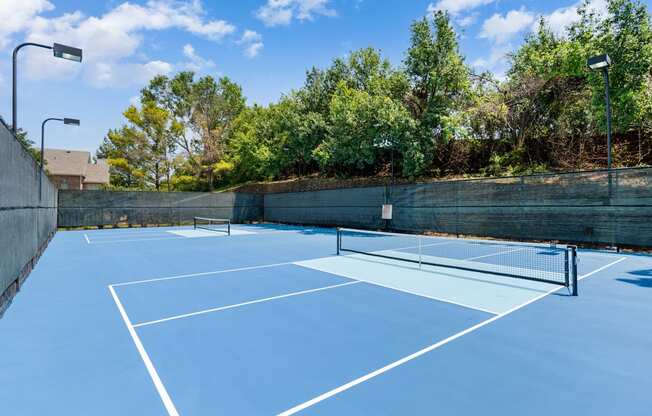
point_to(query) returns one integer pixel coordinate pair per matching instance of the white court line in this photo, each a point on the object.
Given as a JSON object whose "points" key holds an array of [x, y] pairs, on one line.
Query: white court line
{"points": [[423, 351], [397, 289], [601, 268], [238, 305], [139, 235], [185, 276], [160, 388], [494, 254], [86, 237], [127, 240], [137, 239]]}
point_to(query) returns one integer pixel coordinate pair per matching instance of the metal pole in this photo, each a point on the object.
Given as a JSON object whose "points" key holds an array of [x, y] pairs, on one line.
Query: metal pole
{"points": [[605, 71], [14, 73], [40, 174], [14, 116], [574, 269], [339, 243]]}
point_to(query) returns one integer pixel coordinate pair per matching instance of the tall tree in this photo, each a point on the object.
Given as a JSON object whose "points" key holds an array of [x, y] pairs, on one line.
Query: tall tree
{"points": [[215, 106], [440, 84], [142, 149]]}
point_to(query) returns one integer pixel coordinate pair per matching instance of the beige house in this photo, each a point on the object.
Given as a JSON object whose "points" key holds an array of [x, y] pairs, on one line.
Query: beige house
{"points": [[72, 169]]}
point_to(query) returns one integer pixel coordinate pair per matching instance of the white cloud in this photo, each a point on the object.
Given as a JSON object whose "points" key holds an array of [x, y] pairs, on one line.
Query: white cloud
{"points": [[111, 40], [253, 50], [467, 20], [456, 7], [195, 62], [107, 75], [253, 43], [496, 60], [17, 15], [281, 12], [561, 18], [250, 36], [500, 29]]}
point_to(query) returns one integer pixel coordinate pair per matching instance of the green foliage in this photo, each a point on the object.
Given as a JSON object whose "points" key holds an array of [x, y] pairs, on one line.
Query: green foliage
{"points": [[364, 129], [433, 116], [440, 86]]}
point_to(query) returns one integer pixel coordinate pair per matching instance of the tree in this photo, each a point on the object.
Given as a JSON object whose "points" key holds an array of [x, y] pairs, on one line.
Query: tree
{"points": [[364, 130], [215, 107], [141, 153], [440, 86], [176, 96], [122, 149]]}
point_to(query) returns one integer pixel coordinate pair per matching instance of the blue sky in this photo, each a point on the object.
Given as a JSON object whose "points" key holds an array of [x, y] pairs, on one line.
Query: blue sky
{"points": [[264, 45]]}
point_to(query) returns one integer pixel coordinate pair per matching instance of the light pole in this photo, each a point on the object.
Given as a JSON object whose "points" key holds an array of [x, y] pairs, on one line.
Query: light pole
{"points": [[602, 62], [68, 121], [59, 51]]}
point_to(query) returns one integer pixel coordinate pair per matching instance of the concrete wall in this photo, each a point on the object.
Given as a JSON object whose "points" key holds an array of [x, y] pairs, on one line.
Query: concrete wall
{"points": [[588, 207], [27, 222], [103, 208]]}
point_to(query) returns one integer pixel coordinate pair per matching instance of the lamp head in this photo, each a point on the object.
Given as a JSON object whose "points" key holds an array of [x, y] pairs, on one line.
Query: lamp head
{"points": [[67, 52], [599, 62], [71, 121]]}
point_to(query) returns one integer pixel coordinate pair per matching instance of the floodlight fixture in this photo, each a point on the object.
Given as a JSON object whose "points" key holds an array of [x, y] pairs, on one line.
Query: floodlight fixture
{"points": [[60, 51]]}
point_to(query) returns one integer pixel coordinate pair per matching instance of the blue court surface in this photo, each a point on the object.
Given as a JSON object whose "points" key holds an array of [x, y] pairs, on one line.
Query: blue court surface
{"points": [[270, 321]]}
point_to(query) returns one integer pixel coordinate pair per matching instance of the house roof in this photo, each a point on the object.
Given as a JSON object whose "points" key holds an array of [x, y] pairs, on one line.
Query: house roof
{"points": [[66, 162], [61, 162], [97, 173]]}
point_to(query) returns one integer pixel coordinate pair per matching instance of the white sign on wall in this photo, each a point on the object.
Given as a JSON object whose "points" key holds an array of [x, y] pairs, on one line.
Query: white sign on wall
{"points": [[387, 211]]}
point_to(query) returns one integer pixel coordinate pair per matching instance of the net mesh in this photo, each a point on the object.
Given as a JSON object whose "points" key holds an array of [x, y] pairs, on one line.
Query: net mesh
{"points": [[539, 262], [212, 224]]}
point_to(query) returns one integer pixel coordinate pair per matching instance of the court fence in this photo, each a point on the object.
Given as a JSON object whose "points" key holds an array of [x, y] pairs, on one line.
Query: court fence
{"points": [[592, 207], [28, 217], [114, 208]]}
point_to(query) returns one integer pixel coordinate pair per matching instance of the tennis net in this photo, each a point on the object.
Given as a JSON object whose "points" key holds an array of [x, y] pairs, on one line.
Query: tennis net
{"points": [[549, 263], [212, 224]]}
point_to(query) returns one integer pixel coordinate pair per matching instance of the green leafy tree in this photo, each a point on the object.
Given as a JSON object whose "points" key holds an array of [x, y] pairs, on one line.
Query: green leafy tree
{"points": [[143, 149], [123, 150], [215, 106], [364, 130], [440, 85]]}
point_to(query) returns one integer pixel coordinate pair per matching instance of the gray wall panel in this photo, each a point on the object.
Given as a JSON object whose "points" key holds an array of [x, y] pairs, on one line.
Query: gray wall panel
{"points": [[27, 219], [104, 208], [587, 207]]}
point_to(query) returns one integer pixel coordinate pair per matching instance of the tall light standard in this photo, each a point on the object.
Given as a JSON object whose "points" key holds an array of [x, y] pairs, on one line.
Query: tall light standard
{"points": [[602, 62], [68, 121], [59, 51]]}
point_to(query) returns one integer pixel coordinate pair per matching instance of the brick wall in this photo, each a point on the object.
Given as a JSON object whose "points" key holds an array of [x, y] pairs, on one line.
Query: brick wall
{"points": [[66, 182]]}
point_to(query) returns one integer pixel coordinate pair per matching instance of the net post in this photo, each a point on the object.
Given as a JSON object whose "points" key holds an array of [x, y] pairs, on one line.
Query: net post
{"points": [[228, 227], [194, 223], [567, 267], [419, 244], [339, 240], [574, 269]]}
